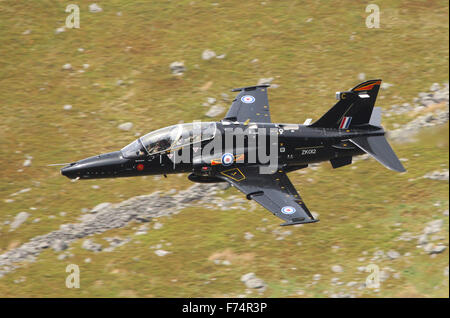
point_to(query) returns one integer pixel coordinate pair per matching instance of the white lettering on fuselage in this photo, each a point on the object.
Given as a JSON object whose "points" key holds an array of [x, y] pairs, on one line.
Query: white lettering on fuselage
{"points": [[309, 152]]}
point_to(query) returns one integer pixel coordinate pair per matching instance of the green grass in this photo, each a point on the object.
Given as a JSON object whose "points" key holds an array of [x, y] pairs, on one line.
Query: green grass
{"points": [[309, 60]]}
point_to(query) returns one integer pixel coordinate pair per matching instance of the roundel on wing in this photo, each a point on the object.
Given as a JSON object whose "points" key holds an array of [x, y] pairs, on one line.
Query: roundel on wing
{"points": [[248, 99], [288, 210]]}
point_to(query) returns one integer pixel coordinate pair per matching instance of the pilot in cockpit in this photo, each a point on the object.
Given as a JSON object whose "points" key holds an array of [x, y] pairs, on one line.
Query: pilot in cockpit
{"points": [[160, 145], [168, 138]]}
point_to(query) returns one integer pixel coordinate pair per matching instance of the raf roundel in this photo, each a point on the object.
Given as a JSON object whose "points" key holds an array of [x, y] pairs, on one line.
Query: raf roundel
{"points": [[247, 99], [288, 210], [227, 159]]}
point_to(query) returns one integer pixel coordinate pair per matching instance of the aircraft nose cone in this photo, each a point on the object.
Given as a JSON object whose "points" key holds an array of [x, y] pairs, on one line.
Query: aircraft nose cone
{"points": [[70, 171], [101, 166]]}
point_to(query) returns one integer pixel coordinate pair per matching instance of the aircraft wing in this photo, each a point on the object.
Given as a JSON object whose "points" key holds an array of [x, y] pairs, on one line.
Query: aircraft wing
{"points": [[275, 192], [250, 105]]}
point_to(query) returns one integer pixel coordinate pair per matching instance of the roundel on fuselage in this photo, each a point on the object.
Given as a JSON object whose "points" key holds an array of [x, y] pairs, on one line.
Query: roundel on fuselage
{"points": [[227, 159]]}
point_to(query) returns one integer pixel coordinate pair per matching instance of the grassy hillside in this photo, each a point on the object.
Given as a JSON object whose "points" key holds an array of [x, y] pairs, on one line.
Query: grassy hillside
{"points": [[311, 49]]}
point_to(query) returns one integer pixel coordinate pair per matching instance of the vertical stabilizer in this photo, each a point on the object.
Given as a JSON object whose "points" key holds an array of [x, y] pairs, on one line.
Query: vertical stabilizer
{"points": [[354, 108]]}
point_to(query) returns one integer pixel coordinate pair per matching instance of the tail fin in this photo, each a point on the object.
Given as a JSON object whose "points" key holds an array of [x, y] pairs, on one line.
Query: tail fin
{"points": [[378, 147], [354, 108]]}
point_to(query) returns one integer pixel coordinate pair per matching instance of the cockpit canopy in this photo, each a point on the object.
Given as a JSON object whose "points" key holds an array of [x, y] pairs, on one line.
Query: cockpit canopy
{"points": [[169, 138]]}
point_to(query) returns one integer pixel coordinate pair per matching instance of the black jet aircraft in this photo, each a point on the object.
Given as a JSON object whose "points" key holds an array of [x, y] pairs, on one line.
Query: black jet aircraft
{"points": [[351, 127]]}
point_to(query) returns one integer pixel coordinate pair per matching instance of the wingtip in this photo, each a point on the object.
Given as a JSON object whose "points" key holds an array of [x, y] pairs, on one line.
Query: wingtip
{"points": [[398, 167], [300, 222], [249, 87], [402, 169]]}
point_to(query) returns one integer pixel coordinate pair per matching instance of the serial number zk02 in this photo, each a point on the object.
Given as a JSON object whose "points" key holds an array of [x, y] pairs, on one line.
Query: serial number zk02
{"points": [[309, 152]]}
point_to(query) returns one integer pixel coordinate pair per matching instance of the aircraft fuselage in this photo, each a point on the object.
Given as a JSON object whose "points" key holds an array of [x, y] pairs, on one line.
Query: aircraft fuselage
{"points": [[297, 146]]}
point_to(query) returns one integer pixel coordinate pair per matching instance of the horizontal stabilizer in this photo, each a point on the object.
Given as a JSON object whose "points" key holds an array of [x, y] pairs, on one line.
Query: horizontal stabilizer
{"points": [[378, 147]]}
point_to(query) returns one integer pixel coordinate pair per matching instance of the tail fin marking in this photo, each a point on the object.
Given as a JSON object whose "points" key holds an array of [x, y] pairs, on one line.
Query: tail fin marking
{"points": [[345, 122], [356, 104]]}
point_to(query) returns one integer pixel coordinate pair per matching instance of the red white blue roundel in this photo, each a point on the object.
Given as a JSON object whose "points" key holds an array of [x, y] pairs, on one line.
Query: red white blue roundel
{"points": [[288, 210], [247, 99], [227, 159]]}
